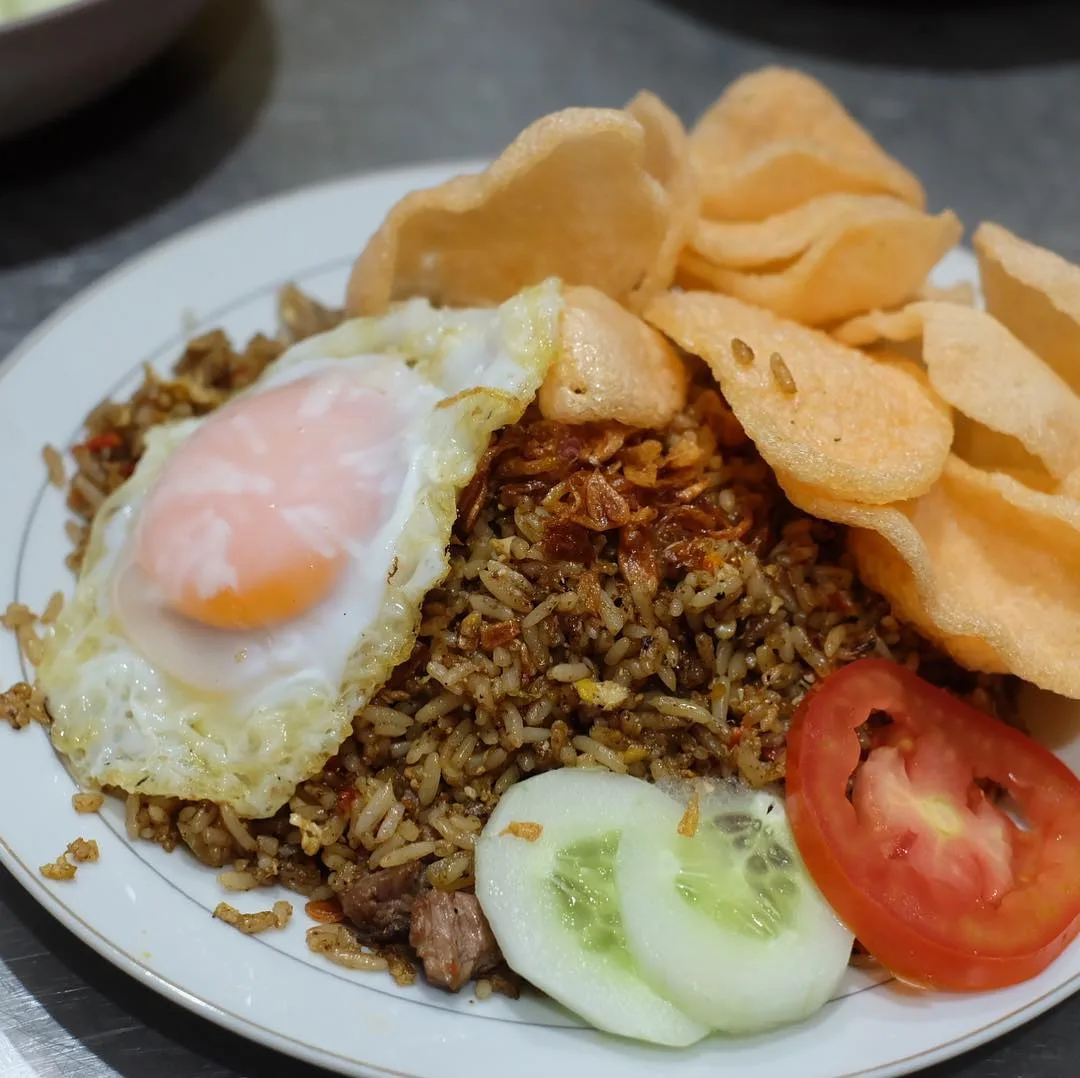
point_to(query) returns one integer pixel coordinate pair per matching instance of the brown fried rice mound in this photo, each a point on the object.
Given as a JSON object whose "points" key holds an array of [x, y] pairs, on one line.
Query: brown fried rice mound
{"points": [[646, 601]]}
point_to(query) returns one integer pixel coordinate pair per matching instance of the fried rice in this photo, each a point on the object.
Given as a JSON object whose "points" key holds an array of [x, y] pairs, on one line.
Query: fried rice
{"points": [[643, 601]]}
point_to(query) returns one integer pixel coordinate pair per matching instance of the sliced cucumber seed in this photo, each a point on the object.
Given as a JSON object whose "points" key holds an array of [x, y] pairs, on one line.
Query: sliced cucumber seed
{"points": [[731, 822], [711, 879], [727, 924], [584, 881], [779, 857]]}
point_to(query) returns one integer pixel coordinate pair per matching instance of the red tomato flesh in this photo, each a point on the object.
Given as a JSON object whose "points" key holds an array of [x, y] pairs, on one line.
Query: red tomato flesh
{"points": [[905, 842]]}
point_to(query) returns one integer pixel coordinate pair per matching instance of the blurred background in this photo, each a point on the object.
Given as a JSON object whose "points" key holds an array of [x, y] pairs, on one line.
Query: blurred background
{"points": [[259, 96], [200, 106]]}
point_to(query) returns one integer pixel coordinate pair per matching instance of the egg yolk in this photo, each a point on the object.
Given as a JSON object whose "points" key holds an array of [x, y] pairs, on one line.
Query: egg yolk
{"points": [[251, 521]]}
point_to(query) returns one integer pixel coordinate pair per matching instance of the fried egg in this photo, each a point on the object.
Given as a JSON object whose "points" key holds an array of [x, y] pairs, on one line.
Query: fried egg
{"points": [[261, 573]]}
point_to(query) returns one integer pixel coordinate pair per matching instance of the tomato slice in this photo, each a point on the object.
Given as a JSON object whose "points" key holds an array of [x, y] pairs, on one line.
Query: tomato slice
{"points": [[907, 836]]}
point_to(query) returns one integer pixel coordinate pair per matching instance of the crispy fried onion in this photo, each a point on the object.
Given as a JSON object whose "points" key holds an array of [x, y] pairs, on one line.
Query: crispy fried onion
{"points": [[665, 493]]}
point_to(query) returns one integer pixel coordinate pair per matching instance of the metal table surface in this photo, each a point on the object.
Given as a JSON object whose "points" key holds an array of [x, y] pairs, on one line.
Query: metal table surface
{"points": [[979, 98]]}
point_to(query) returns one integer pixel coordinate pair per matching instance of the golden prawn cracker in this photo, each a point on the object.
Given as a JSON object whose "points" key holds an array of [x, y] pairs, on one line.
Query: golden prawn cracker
{"points": [[986, 374], [877, 325], [832, 417], [773, 244], [667, 159], [987, 449], [962, 293], [611, 366], [982, 564], [777, 138], [870, 256], [571, 197], [1035, 294]]}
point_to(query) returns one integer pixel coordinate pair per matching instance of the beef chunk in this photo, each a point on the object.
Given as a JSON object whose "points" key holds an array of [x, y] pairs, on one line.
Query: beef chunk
{"points": [[452, 938], [380, 903]]}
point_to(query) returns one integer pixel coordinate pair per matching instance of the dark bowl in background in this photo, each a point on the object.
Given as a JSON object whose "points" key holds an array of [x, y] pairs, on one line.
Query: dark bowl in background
{"points": [[64, 57]]}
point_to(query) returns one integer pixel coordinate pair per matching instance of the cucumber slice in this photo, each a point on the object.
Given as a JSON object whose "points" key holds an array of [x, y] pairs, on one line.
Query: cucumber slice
{"points": [[545, 878], [728, 924]]}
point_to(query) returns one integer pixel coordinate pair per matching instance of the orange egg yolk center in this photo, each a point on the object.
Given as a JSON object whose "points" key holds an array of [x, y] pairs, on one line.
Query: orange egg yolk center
{"points": [[252, 520]]}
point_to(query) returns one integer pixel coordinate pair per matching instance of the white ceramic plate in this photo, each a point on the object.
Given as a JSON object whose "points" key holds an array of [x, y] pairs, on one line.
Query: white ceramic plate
{"points": [[149, 912]]}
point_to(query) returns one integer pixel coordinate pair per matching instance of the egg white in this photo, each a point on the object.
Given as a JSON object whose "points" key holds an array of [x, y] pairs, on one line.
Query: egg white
{"points": [[151, 703]]}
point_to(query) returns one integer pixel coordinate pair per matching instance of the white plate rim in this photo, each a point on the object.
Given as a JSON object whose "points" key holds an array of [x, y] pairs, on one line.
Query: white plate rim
{"points": [[51, 897]]}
